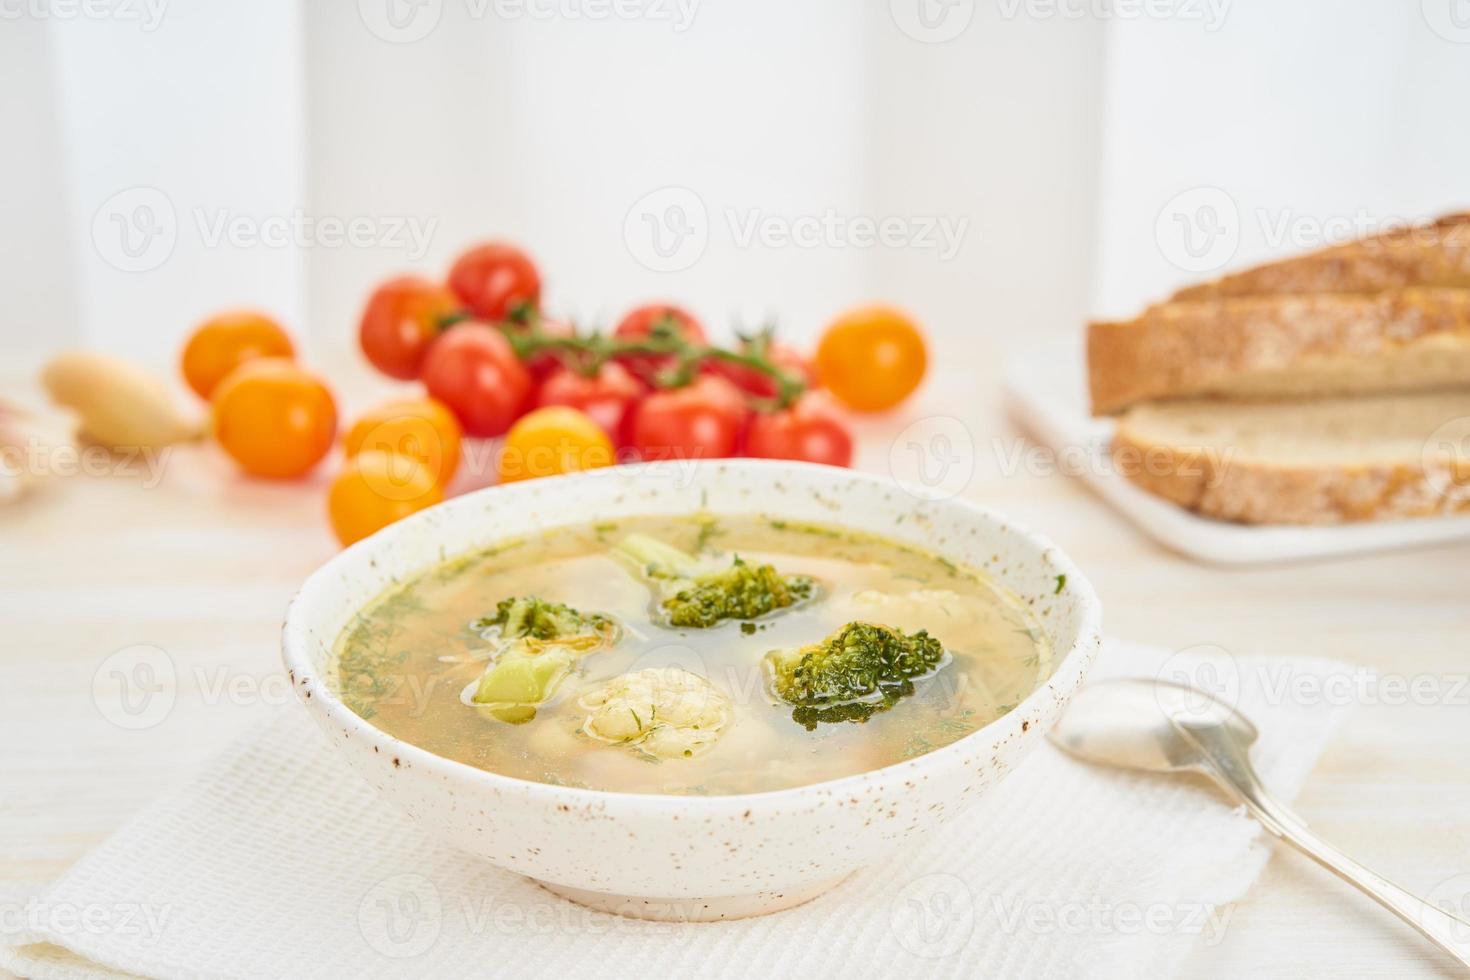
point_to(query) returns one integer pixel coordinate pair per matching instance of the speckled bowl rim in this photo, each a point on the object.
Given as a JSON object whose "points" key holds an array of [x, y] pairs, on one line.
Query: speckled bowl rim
{"points": [[316, 695]]}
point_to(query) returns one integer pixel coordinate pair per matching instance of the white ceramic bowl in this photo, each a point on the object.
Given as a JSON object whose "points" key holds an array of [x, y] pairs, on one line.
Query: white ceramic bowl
{"points": [[681, 856]]}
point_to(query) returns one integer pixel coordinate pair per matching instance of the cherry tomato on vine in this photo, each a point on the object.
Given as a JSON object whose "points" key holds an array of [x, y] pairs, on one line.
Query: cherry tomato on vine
{"points": [[402, 318], [375, 489], [809, 430], [422, 428], [473, 370], [542, 364], [872, 358], [641, 322], [552, 441], [758, 383], [605, 396], [496, 281], [274, 418], [701, 420], [225, 341]]}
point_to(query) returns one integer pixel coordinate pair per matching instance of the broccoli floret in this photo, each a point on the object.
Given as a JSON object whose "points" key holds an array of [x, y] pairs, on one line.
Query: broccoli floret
{"points": [[554, 622], [851, 675], [697, 596], [659, 560], [523, 676], [739, 592], [536, 643]]}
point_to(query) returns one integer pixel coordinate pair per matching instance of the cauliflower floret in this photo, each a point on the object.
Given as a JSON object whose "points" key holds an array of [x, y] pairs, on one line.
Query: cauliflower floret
{"points": [[665, 712]]}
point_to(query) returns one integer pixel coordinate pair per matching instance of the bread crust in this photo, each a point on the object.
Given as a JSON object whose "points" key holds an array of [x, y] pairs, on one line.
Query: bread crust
{"points": [[1216, 484], [1433, 254], [1245, 345]]}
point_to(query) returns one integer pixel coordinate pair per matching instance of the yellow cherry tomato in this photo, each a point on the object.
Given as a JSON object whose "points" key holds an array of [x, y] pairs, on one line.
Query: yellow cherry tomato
{"points": [[872, 358], [419, 427], [224, 342], [375, 489], [274, 418], [554, 440]]}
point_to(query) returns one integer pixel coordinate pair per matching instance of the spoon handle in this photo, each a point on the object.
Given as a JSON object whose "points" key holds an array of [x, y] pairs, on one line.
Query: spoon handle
{"points": [[1229, 763]]}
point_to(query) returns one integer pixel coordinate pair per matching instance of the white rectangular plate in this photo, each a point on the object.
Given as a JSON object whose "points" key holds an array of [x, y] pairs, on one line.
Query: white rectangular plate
{"points": [[1047, 393]]}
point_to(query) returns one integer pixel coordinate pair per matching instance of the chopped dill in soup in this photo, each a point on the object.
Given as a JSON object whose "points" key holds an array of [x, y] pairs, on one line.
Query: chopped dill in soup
{"points": [[691, 655]]}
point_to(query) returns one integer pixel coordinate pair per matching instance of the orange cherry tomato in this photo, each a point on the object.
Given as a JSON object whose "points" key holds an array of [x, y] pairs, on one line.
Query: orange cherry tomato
{"points": [[375, 489], [400, 321], [422, 428], [274, 418], [872, 358], [551, 441], [224, 342]]}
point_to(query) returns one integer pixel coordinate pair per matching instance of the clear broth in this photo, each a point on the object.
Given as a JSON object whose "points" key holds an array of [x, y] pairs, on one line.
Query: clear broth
{"points": [[410, 653]]}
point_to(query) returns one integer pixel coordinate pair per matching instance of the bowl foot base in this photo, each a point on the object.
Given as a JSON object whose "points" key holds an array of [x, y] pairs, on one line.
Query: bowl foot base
{"points": [[694, 909]]}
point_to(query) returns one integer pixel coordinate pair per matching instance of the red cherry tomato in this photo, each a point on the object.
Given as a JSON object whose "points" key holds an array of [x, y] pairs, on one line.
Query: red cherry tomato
{"points": [[809, 430], [400, 321], [605, 396], [642, 322], [496, 281], [756, 383], [474, 371], [542, 364], [701, 420]]}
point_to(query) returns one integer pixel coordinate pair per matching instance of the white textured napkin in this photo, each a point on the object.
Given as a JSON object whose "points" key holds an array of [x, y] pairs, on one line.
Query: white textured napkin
{"points": [[278, 861]]}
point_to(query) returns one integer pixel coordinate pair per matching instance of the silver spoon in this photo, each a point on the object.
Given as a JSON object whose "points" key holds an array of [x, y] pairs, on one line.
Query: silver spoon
{"points": [[1161, 727]]}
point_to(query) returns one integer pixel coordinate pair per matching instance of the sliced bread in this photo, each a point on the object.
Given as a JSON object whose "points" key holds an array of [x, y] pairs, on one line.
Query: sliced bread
{"points": [[1290, 346], [1326, 461]]}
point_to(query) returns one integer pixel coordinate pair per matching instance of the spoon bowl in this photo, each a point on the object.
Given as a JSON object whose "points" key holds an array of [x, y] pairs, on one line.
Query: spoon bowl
{"points": [[1141, 724]]}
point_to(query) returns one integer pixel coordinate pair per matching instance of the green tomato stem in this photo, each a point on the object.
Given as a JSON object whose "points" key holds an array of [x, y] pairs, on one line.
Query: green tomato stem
{"points": [[587, 354]]}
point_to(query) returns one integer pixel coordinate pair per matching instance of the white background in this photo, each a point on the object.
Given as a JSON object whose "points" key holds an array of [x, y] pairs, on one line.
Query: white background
{"points": [[1057, 135]]}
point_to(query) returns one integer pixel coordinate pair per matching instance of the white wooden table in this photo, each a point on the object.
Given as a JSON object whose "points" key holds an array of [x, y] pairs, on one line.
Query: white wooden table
{"points": [[202, 566]]}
